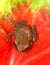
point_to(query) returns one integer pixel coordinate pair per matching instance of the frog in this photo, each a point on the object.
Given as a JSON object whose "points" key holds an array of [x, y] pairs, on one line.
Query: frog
{"points": [[24, 34]]}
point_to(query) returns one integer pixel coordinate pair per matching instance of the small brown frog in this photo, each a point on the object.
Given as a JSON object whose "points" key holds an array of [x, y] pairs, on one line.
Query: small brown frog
{"points": [[24, 35]]}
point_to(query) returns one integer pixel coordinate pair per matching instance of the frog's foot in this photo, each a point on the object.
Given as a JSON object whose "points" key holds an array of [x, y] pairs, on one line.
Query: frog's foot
{"points": [[9, 35]]}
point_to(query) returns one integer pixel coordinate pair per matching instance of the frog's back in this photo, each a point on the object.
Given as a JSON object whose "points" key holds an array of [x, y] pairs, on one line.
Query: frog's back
{"points": [[23, 37]]}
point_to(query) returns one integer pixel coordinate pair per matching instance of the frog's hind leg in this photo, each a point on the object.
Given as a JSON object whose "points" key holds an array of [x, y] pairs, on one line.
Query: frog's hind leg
{"points": [[35, 33]]}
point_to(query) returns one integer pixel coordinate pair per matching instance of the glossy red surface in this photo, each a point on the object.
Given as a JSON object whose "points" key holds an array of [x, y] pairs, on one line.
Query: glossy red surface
{"points": [[39, 54]]}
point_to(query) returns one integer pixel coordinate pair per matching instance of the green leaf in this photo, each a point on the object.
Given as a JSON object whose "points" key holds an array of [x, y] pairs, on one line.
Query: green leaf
{"points": [[39, 4]]}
